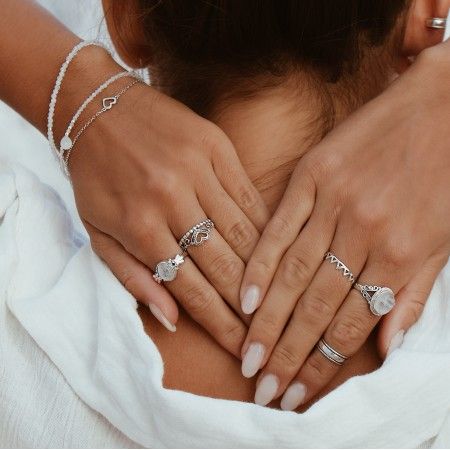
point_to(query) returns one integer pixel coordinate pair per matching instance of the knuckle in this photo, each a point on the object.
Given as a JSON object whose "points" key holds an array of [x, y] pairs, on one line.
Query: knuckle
{"points": [[267, 323], [234, 335], [316, 369], [295, 271], [348, 333], [248, 198], [226, 270], [316, 306], [286, 356], [320, 167], [397, 254], [366, 216], [198, 300], [241, 235], [277, 227], [129, 280]]}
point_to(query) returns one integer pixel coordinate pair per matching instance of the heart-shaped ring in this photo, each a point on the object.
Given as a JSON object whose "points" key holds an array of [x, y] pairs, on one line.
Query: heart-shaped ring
{"points": [[197, 235]]}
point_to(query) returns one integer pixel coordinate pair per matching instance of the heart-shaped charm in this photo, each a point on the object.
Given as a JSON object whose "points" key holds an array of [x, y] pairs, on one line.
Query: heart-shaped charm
{"points": [[199, 236], [108, 102]]}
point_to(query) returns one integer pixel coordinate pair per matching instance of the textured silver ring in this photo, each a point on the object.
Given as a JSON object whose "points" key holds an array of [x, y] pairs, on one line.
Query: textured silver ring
{"points": [[197, 235], [330, 353], [167, 270], [438, 23], [346, 272], [381, 299]]}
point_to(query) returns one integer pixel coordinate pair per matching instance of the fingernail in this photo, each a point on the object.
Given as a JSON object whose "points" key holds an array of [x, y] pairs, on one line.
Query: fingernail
{"points": [[293, 397], [266, 390], [162, 318], [396, 341], [250, 299], [252, 360]]}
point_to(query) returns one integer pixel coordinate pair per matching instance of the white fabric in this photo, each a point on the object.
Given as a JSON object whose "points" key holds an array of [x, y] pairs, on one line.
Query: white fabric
{"points": [[85, 324]]}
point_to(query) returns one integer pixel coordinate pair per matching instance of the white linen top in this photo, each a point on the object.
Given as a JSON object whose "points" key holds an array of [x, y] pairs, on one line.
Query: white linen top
{"points": [[78, 370]]}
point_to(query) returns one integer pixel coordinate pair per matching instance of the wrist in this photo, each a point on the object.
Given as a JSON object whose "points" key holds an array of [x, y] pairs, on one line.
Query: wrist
{"points": [[89, 69]]}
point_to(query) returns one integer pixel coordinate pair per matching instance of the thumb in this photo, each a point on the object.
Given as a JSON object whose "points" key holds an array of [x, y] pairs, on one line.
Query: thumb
{"points": [[410, 302], [135, 277]]}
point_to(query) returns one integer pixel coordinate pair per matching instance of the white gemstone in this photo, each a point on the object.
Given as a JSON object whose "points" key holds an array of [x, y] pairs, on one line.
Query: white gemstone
{"points": [[66, 143], [382, 302], [166, 270]]}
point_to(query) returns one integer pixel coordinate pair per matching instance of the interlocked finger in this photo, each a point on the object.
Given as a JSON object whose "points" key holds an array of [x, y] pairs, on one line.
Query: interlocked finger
{"points": [[346, 333], [312, 314]]}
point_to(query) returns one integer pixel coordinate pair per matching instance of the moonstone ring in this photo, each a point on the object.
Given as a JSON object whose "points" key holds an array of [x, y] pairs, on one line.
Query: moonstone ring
{"points": [[380, 298], [167, 270]]}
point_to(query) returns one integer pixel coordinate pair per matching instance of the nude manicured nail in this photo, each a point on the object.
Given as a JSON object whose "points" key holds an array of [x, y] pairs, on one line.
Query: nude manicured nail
{"points": [[162, 318], [293, 397], [396, 341], [266, 390], [250, 299], [253, 359]]}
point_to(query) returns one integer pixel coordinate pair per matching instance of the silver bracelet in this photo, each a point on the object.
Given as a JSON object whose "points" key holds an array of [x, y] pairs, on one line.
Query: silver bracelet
{"points": [[66, 143], [108, 103], [57, 88]]}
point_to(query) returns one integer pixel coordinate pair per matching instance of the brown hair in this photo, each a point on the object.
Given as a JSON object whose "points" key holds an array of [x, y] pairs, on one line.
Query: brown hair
{"points": [[197, 48]]}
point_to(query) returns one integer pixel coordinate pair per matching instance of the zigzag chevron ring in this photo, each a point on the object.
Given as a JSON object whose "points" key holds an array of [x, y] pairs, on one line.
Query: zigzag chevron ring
{"points": [[346, 272]]}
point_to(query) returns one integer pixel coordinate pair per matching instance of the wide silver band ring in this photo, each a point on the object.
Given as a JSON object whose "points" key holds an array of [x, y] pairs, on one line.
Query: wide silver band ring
{"points": [[197, 235], [330, 353], [167, 270], [381, 299], [346, 272], [438, 23]]}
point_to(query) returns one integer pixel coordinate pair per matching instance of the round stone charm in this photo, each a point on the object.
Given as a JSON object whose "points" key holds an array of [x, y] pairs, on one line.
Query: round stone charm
{"points": [[166, 270], [66, 143], [382, 301]]}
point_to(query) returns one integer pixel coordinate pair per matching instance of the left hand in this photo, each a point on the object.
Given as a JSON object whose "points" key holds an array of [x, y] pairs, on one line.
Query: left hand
{"points": [[376, 193]]}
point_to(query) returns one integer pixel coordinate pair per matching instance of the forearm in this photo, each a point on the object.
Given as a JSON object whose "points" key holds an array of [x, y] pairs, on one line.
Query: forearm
{"points": [[33, 45]]}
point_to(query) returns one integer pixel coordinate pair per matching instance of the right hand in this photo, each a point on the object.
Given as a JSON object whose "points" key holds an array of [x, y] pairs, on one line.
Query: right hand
{"points": [[143, 175]]}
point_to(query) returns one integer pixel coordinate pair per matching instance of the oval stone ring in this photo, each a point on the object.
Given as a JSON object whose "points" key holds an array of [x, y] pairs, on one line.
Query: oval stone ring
{"points": [[380, 298], [167, 270]]}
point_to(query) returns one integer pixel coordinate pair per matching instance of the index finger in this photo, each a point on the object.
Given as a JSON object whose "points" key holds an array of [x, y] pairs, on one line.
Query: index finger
{"points": [[280, 233]]}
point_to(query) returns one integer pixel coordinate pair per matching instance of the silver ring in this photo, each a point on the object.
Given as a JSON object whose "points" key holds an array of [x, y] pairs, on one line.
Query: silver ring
{"points": [[197, 235], [167, 270], [330, 353], [381, 299], [438, 23], [346, 272]]}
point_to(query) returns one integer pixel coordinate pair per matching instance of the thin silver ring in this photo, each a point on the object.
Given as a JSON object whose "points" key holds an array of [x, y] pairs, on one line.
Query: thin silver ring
{"points": [[167, 270], [330, 353], [438, 23], [346, 272], [197, 235], [381, 299]]}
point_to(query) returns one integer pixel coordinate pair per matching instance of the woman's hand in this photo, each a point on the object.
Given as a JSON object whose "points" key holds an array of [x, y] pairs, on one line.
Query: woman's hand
{"points": [[376, 193], [143, 175]]}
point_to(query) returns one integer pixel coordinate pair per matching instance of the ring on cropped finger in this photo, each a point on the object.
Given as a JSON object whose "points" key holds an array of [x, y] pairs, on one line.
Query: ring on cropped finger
{"points": [[167, 270], [437, 23], [197, 235], [380, 298], [330, 353], [346, 272]]}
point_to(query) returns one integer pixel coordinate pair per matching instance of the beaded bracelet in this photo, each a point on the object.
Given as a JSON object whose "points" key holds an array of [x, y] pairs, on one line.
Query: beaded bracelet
{"points": [[57, 88]]}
